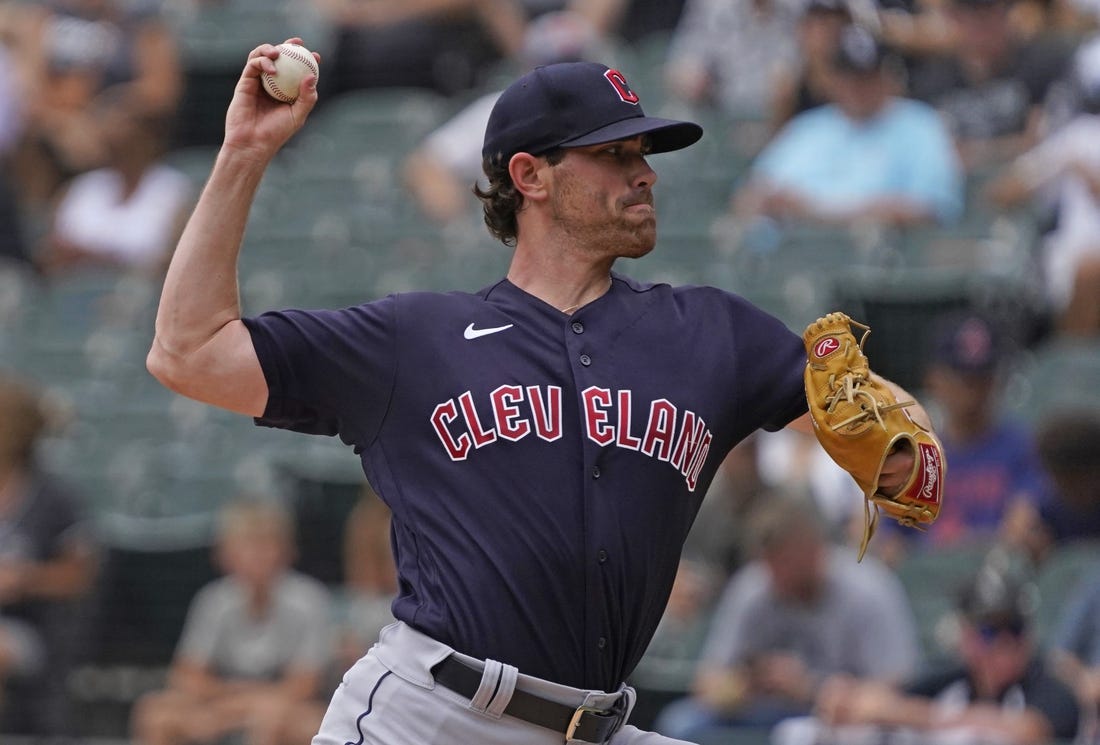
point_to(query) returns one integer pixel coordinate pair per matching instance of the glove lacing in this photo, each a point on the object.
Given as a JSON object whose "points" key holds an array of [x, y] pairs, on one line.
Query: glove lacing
{"points": [[850, 386]]}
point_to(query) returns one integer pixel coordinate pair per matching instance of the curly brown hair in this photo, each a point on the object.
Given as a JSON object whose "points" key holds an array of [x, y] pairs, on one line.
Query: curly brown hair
{"points": [[501, 201]]}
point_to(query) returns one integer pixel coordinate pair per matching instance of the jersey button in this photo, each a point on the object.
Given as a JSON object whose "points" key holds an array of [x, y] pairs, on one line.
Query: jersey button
{"points": [[602, 556], [586, 360], [595, 472], [578, 327], [601, 642]]}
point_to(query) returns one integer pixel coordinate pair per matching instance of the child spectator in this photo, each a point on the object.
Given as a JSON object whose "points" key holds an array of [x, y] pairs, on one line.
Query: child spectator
{"points": [[255, 642]]}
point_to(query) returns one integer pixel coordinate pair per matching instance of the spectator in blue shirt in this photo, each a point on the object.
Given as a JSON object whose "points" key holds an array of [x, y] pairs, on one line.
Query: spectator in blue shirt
{"points": [[868, 155], [995, 480]]}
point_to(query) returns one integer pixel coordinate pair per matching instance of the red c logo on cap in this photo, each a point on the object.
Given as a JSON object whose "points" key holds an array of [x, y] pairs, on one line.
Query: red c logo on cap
{"points": [[618, 82], [826, 346]]}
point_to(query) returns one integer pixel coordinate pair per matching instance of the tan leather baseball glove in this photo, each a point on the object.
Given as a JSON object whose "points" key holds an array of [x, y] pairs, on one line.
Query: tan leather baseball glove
{"points": [[859, 422]]}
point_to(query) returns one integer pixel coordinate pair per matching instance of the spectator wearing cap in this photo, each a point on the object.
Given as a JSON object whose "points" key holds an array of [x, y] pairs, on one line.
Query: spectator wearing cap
{"points": [[1000, 691], [991, 86], [1065, 165], [869, 155], [994, 479]]}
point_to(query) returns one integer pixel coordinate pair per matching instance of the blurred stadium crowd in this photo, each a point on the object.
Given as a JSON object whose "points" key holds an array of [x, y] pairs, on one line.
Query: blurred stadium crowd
{"points": [[931, 167]]}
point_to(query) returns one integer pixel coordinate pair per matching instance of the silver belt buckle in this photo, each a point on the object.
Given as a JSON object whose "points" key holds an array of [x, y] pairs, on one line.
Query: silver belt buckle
{"points": [[576, 720]]}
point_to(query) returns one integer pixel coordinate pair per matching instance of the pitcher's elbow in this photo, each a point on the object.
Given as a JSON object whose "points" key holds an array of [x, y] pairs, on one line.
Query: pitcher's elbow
{"points": [[159, 364]]}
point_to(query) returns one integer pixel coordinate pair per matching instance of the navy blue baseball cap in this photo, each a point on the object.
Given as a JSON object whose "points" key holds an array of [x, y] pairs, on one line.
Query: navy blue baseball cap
{"points": [[968, 344], [573, 104]]}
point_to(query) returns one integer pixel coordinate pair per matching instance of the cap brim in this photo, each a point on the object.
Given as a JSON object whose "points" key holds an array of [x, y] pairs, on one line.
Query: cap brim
{"points": [[665, 135]]}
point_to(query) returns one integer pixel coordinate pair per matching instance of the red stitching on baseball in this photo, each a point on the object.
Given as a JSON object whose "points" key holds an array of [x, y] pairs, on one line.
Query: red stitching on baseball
{"points": [[293, 52], [274, 88], [307, 59]]}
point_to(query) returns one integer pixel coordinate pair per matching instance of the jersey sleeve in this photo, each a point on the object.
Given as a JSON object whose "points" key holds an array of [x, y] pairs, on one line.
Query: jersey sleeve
{"points": [[328, 372], [770, 361]]}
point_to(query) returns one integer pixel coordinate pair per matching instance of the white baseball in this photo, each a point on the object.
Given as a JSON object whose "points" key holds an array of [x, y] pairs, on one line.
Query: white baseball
{"points": [[293, 64]]}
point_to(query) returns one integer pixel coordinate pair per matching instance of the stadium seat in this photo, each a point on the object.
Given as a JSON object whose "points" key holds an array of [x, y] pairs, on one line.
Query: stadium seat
{"points": [[1063, 373], [215, 35], [789, 270], [194, 162], [932, 579], [377, 120], [1057, 580]]}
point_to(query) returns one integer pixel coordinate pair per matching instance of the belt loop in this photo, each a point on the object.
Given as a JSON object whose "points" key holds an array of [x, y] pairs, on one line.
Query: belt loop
{"points": [[629, 699], [508, 677], [490, 680]]}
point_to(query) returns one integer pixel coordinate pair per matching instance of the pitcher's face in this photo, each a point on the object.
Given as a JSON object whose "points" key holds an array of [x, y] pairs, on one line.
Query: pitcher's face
{"points": [[603, 196]]}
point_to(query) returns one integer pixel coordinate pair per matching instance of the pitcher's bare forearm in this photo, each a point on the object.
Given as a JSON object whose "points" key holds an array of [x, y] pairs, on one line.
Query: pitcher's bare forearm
{"points": [[200, 293], [201, 348]]}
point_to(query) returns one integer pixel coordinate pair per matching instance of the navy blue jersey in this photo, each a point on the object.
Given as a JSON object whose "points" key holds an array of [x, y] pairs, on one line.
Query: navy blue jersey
{"points": [[543, 469]]}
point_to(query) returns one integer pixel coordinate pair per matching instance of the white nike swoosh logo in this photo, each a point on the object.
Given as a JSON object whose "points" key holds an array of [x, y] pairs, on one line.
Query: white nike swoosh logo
{"points": [[472, 333]]}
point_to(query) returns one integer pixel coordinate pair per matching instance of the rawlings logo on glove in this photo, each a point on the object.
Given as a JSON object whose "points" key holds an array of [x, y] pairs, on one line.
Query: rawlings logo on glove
{"points": [[859, 422]]}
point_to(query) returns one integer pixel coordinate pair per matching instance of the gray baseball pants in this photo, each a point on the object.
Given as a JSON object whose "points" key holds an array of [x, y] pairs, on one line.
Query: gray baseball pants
{"points": [[390, 698]]}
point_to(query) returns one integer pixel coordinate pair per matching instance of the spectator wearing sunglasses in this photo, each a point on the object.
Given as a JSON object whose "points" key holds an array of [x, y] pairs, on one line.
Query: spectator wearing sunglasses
{"points": [[1000, 691]]}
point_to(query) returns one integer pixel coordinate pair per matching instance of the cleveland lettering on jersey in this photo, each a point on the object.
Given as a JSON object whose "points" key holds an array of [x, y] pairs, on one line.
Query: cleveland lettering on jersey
{"points": [[658, 429]]}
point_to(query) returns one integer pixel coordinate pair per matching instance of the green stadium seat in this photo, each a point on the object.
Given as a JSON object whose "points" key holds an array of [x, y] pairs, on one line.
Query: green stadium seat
{"points": [[376, 120], [218, 35], [788, 270], [999, 246], [1064, 373], [195, 162], [1057, 579], [931, 579]]}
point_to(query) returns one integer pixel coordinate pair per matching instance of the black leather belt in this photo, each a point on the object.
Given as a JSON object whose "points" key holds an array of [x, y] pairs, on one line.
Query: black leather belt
{"points": [[583, 723]]}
